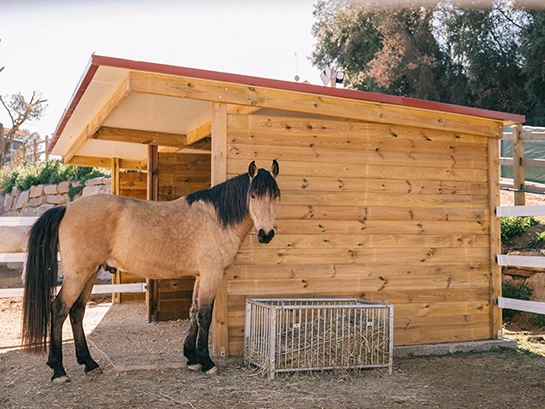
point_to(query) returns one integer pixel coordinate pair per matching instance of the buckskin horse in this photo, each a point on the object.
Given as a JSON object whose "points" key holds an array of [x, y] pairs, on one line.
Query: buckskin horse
{"points": [[196, 235]]}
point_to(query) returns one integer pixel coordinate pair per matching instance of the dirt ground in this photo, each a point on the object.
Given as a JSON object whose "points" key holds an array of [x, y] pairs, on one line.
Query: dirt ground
{"points": [[144, 368]]}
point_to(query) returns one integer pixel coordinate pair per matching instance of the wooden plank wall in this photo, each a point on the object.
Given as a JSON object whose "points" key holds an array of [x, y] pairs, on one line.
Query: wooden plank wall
{"points": [[179, 174], [374, 211], [131, 184]]}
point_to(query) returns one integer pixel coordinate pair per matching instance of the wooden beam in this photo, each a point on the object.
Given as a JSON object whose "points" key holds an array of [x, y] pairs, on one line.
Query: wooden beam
{"points": [[106, 133], [98, 162], [521, 261], [115, 175], [518, 167], [219, 143], [152, 294], [116, 278], [262, 97], [495, 238], [199, 133], [107, 109], [220, 317], [205, 130], [503, 211]]}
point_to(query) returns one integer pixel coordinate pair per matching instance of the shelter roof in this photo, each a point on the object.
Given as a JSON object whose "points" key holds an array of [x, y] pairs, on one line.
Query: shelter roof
{"points": [[118, 101]]}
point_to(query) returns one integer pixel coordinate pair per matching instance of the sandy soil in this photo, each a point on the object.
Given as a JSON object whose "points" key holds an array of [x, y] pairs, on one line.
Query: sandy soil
{"points": [[144, 368]]}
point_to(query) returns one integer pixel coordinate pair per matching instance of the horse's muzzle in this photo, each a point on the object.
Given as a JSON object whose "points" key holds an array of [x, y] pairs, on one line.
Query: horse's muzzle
{"points": [[265, 237]]}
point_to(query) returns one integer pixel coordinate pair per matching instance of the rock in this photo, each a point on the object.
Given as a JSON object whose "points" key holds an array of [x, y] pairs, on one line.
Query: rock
{"points": [[36, 191], [92, 190], [8, 202], [57, 199], [63, 187], [13, 239], [95, 181], [27, 212], [537, 284], [37, 201], [43, 208], [22, 200], [50, 189]]}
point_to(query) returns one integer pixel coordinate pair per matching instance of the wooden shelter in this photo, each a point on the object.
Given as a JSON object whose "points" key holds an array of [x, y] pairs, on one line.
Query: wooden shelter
{"points": [[383, 197]]}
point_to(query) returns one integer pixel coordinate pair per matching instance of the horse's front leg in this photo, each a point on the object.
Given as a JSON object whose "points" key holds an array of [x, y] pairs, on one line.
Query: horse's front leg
{"points": [[208, 287], [203, 354]]}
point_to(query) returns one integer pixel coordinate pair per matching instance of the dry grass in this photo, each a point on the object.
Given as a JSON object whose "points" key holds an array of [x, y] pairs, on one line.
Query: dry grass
{"points": [[330, 339]]}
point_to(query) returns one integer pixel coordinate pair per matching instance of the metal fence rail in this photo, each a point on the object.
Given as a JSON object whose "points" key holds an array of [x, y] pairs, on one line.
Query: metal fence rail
{"points": [[287, 335]]}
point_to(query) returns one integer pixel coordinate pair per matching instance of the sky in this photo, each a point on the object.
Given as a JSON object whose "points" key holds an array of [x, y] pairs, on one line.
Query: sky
{"points": [[45, 45]]}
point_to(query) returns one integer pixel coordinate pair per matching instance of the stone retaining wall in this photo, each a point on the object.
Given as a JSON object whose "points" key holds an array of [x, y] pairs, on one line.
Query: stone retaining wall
{"points": [[38, 199]]}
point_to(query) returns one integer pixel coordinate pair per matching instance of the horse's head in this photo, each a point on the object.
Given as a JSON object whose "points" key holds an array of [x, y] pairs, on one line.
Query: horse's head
{"points": [[262, 199]]}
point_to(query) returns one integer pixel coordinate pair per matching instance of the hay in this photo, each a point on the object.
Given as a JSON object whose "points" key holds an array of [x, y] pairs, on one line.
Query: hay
{"points": [[323, 338]]}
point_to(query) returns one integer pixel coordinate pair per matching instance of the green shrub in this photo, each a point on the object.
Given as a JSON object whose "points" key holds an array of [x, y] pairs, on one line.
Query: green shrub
{"points": [[538, 241], [537, 320], [510, 290], [49, 172], [515, 226]]}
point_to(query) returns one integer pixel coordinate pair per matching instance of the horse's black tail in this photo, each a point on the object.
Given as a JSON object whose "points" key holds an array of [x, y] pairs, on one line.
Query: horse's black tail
{"points": [[41, 277]]}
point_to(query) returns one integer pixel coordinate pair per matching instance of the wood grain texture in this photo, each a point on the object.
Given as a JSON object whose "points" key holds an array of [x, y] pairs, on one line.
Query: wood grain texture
{"points": [[374, 211]]}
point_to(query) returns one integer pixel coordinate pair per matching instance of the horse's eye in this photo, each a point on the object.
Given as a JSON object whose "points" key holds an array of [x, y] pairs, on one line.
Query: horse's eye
{"points": [[252, 196]]}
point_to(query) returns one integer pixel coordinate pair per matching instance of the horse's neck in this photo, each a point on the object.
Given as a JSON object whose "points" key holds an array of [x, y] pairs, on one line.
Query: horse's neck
{"points": [[242, 229]]}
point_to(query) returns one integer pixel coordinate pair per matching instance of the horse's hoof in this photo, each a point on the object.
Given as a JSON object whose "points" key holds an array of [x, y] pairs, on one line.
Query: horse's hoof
{"points": [[212, 371], [60, 380], [194, 367], [94, 372]]}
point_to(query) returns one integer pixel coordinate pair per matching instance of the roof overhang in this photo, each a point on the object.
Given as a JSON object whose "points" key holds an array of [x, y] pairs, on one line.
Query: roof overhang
{"points": [[121, 106]]}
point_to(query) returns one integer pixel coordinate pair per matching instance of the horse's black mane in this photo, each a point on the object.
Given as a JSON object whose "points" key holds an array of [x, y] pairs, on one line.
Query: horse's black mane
{"points": [[230, 198]]}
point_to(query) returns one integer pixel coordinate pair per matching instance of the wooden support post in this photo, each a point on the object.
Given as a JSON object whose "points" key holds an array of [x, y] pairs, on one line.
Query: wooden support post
{"points": [[220, 335], [518, 168], [115, 175], [333, 79], [495, 237], [46, 147], [35, 157], [114, 167], [152, 194]]}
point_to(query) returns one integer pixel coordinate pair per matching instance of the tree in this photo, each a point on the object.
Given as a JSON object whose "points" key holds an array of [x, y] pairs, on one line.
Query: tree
{"points": [[19, 111], [384, 49], [490, 57], [533, 51]]}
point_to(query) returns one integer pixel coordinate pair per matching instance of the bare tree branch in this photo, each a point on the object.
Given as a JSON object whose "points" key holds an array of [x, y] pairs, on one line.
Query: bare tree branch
{"points": [[19, 111]]}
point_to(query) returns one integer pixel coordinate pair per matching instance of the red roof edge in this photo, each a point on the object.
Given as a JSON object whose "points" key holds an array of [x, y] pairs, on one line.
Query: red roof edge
{"points": [[84, 82], [98, 60]]}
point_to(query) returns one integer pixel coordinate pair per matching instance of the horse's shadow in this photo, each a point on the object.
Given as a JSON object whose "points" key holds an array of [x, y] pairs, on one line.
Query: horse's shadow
{"points": [[124, 340]]}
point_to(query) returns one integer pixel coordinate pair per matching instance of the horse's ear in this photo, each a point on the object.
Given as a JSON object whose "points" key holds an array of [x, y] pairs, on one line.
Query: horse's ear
{"points": [[252, 170], [275, 168]]}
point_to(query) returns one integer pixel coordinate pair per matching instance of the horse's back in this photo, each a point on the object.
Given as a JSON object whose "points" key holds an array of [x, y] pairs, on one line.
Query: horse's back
{"points": [[143, 237]]}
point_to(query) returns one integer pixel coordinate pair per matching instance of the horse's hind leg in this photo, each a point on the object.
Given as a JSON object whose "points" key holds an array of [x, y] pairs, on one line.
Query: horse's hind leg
{"points": [[59, 312], [60, 308], [76, 320], [190, 342]]}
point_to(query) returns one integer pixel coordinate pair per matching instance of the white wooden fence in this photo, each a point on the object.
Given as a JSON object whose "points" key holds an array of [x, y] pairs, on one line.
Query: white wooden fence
{"points": [[21, 258], [521, 261], [519, 185]]}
